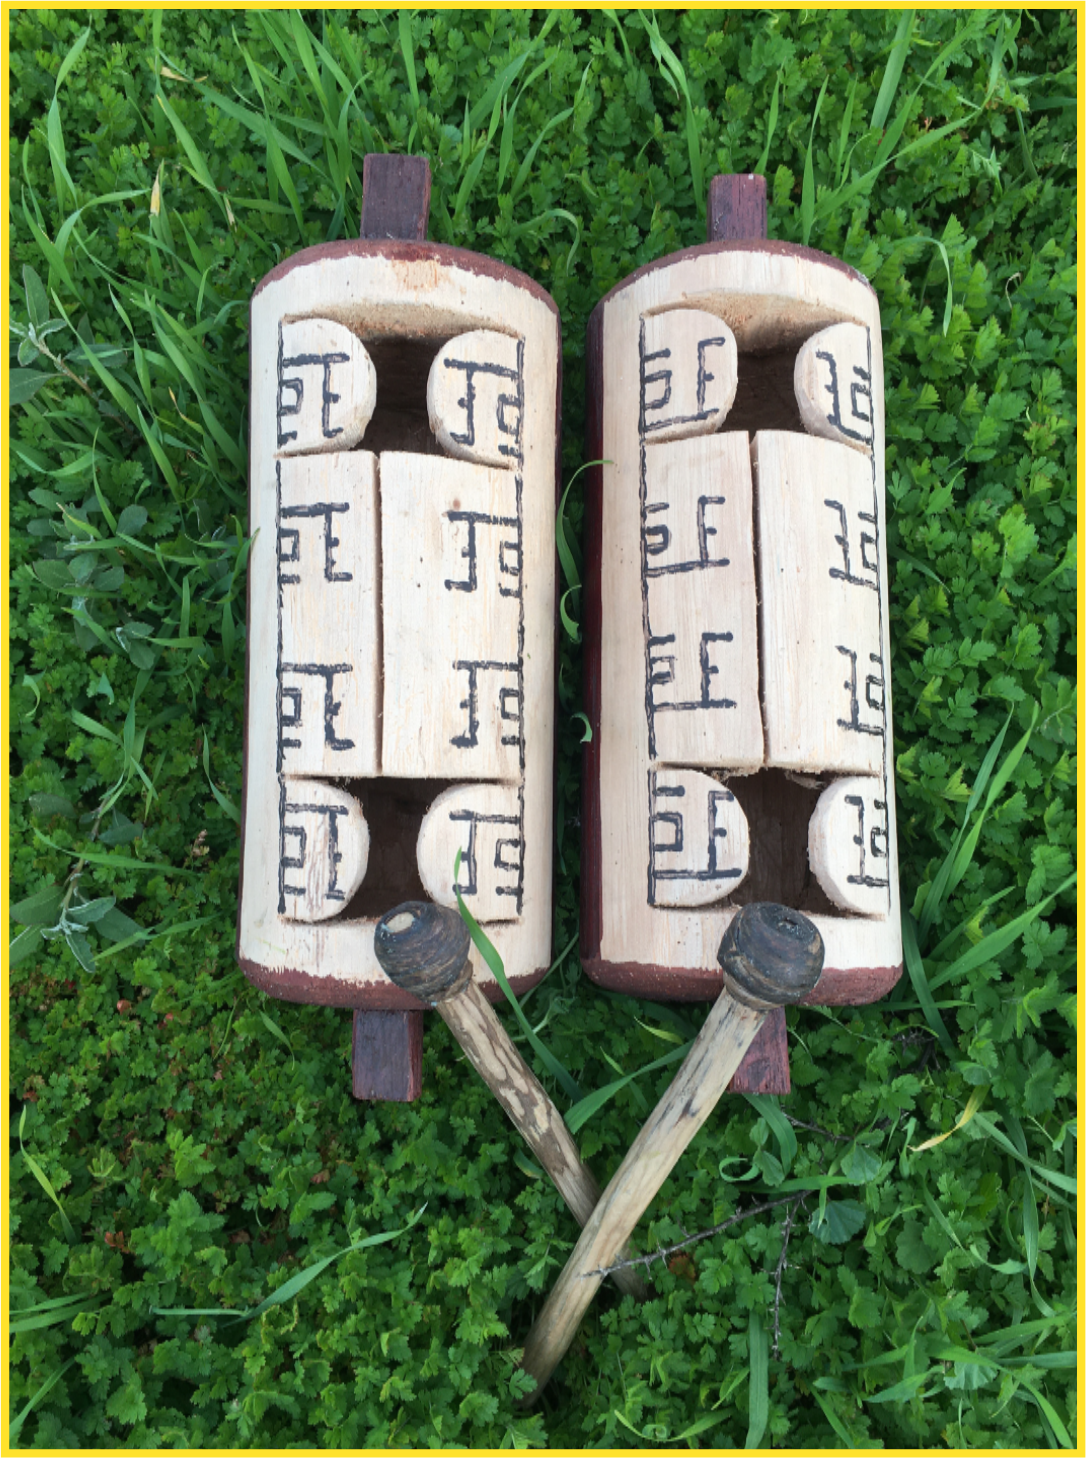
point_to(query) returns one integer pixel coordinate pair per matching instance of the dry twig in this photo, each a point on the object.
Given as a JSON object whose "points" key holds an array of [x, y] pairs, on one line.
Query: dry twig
{"points": [[665, 1251]]}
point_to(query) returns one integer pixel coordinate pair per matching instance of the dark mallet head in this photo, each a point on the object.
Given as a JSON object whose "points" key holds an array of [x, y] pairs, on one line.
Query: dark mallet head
{"points": [[423, 949], [770, 955]]}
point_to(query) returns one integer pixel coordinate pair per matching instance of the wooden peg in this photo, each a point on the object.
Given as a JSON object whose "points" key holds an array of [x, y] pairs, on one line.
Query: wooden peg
{"points": [[737, 206], [770, 956], [424, 949], [395, 197], [387, 1046]]}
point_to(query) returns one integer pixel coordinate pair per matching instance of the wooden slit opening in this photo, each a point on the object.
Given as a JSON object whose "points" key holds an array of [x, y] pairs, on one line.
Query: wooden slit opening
{"points": [[400, 421], [778, 809], [394, 811]]}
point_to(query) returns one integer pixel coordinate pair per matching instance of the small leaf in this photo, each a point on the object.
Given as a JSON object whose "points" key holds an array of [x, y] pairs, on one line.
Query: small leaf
{"points": [[129, 523], [859, 1165], [44, 804], [41, 909], [840, 1221], [54, 574], [23, 385], [37, 299], [109, 580], [80, 949], [24, 946], [90, 912], [115, 926]]}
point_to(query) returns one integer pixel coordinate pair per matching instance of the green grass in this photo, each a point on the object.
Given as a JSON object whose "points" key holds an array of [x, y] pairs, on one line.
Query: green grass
{"points": [[213, 1245]]}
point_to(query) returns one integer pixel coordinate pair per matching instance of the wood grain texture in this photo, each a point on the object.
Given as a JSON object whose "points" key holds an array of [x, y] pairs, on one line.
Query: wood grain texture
{"points": [[698, 842], [683, 1109], [770, 955], [737, 207], [327, 577], [327, 387], [690, 373], [483, 823], [832, 380], [475, 395], [395, 197], [387, 1055], [484, 1040], [821, 603], [764, 1069], [847, 845], [453, 549], [326, 843], [774, 297], [699, 604]]}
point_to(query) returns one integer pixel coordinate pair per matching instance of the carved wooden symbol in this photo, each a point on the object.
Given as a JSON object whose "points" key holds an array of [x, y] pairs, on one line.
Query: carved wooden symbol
{"points": [[737, 616], [401, 624]]}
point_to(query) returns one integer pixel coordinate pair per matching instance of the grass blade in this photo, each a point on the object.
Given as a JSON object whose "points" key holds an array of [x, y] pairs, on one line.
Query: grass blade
{"points": [[223, 799], [768, 1107], [758, 1351], [20, 1418], [296, 1284], [46, 1184], [526, 166], [771, 125], [1052, 1177], [973, 1104], [843, 136], [407, 50], [935, 895], [895, 61], [916, 969], [52, 1319], [491, 957], [997, 942], [578, 1114], [807, 195]]}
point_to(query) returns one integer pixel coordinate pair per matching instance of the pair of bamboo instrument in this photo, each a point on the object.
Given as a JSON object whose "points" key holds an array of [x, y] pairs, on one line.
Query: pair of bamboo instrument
{"points": [[738, 806]]}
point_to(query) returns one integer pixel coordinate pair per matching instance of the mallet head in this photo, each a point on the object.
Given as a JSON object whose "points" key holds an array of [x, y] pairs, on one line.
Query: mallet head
{"points": [[423, 949], [770, 955]]}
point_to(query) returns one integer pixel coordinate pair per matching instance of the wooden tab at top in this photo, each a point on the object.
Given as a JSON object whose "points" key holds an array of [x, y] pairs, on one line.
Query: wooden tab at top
{"points": [[395, 197], [736, 208]]}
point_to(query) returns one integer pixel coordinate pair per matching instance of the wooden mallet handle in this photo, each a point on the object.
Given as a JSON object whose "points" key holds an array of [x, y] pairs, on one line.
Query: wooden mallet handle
{"points": [[423, 949], [770, 956]]}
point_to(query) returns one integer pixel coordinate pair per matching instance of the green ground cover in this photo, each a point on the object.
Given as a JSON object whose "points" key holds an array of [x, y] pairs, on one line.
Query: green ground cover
{"points": [[195, 1194]]}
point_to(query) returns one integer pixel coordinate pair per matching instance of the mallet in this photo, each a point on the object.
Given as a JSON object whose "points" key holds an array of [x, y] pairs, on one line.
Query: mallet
{"points": [[770, 956], [423, 949]]}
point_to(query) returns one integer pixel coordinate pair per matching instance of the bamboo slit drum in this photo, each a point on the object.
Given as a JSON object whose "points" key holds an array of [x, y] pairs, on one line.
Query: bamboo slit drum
{"points": [[400, 652], [736, 625]]}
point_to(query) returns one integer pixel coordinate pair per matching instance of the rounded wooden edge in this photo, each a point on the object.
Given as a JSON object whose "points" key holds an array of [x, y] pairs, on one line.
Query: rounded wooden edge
{"points": [[591, 897], [736, 245], [294, 986], [408, 252], [837, 987]]}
